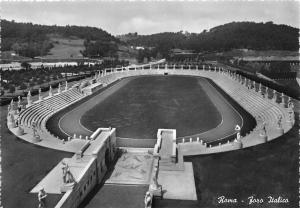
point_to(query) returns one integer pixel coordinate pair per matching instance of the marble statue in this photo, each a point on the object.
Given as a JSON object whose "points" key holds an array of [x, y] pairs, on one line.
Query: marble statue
{"points": [[67, 175], [42, 197], [148, 200], [279, 121], [34, 130], [238, 129], [263, 129]]}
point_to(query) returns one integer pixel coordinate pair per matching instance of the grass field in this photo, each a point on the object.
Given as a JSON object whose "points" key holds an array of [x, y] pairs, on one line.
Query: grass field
{"points": [[148, 103], [65, 48]]}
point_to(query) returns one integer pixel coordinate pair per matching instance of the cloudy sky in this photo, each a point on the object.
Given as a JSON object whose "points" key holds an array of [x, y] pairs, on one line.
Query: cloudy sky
{"points": [[147, 17]]}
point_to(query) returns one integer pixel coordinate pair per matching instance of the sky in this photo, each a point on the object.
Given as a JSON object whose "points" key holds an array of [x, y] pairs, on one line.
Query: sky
{"points": [[148, 17]]}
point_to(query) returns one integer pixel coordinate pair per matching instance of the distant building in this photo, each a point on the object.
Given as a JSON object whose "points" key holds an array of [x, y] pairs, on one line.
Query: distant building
{"points": [[180, 55]]}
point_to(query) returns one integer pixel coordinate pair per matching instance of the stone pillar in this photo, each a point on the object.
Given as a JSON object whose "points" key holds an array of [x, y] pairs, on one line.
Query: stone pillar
{"points": [[166, 66], [50, 91], [189, 67], [196, 67], [174, 66], [29, 100], [181, 67], [209, 67], [158, 67], [203, 67], [150, 66]]}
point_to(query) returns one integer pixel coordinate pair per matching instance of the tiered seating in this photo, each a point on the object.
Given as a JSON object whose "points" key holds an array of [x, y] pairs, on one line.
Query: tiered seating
{"points": [[263, 108], [40, 110]]}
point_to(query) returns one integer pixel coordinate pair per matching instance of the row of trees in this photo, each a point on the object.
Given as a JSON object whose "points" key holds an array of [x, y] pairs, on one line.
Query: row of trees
{"points": [[28, 77]]}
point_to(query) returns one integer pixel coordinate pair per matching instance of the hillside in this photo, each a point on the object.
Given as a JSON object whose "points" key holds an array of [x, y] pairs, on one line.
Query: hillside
{"points": [[65, 48], [31, 40], [70, 42], [235, 35]]}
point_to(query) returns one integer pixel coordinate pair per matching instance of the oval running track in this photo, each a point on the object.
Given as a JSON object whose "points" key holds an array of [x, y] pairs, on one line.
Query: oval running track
{"points": [[69, 123]]}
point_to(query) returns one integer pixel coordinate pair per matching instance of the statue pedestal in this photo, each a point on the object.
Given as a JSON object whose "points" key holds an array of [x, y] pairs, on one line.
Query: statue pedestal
{"points": [[237, 144], [156, 191], [11, 125], [279, 130], [20, 131], [263, 138], [290, 123], [36, 138], [67, 187]]}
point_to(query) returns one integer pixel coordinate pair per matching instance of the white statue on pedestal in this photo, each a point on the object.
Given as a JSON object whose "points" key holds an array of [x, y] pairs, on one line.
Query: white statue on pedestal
{"points": [[67, 175], [279, 122], [263, 131], [148, 200], [59, 88], [29, 101], [42, 197], [50, 91], [237, 129]]}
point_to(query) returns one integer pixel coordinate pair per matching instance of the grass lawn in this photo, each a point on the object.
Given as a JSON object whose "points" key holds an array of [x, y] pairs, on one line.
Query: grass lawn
{"points": [[148, 103]]}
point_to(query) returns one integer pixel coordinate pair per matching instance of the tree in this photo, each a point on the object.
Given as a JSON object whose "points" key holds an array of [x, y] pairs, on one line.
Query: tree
{"points": [[26, 65], [23, 86], [280, 67], [11, 89]]}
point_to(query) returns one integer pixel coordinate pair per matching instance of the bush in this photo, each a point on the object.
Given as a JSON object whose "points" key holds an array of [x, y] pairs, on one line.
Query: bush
{"points": [[11, 89], [23, 86]]}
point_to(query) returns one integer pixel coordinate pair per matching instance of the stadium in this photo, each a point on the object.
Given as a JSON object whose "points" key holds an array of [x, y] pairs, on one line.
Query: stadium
{"points": [[137, 123], [169, 104]]}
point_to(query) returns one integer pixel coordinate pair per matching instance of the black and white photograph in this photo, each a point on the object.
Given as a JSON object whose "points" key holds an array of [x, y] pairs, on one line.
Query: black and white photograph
{"points": [[149, 104]]}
